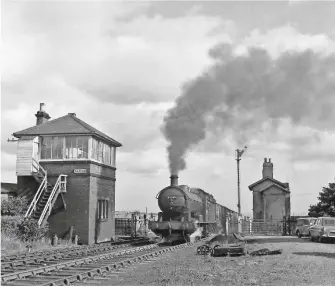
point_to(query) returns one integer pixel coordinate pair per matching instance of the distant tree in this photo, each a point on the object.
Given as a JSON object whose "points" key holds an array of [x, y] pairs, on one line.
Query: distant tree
{"points": [[326, 204]]}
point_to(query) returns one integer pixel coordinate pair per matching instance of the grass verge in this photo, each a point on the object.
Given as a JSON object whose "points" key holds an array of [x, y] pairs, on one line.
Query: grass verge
{"points": [[301, 263]]}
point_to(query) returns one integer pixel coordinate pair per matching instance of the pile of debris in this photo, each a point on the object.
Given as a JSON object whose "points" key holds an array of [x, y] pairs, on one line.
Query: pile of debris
{"points": [[231, 245]]}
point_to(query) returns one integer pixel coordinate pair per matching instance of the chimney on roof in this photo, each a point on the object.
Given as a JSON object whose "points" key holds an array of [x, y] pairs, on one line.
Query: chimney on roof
{"points": [[72, 114], [267, 168], [41, 115]]}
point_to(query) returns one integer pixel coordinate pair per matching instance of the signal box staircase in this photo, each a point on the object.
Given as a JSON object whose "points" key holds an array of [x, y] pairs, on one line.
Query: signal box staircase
{"points": [[45, 198]]}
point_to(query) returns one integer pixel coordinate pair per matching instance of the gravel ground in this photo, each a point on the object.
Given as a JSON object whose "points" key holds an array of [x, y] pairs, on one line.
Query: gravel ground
{"points": [[302, 263]]}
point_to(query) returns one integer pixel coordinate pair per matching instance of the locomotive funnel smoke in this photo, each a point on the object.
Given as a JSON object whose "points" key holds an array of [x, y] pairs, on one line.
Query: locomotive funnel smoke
{"points": [[240, 92]]}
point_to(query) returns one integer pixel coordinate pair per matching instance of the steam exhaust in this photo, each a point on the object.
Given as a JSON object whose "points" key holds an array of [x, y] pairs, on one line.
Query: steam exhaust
{"points": [[197, 233]]}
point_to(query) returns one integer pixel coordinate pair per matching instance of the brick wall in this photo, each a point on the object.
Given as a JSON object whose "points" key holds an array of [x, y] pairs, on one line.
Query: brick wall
{"points": [[102, 230], [102, 184], [83, 191], [77, 209], [257, 205]]}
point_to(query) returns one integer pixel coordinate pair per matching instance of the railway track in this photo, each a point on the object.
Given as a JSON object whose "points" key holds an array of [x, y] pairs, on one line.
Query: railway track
{"points": [[45, 259], [85, 268], [18, 256], [12, 264]]}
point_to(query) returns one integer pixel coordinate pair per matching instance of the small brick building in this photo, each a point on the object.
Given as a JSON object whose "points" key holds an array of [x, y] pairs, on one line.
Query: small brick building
{"points": [[68, 168], [271, 198]]}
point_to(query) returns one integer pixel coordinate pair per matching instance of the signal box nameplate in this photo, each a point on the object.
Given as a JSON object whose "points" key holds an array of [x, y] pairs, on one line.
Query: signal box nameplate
{"points": [[79, 171]]}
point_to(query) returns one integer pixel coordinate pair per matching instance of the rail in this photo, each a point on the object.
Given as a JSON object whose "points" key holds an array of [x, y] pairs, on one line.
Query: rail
{"points": [[43, 185], [60, 186], [57, 271]]}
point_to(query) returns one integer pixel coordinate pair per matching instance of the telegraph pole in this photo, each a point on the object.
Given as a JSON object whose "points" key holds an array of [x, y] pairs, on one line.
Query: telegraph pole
{"points": [[238, 155]]}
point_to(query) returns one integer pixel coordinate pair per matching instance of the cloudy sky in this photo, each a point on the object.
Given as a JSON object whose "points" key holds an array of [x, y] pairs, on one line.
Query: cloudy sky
{"points": [[120, 66]]}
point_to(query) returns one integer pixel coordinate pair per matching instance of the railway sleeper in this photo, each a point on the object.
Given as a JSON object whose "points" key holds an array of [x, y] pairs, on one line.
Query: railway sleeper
{"points": [[79, 268], [22, 283], [17, 269], [62, 273]]}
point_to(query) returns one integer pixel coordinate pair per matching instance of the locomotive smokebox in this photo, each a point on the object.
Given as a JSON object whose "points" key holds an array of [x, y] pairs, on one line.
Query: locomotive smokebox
{"points": [[174, 180]]}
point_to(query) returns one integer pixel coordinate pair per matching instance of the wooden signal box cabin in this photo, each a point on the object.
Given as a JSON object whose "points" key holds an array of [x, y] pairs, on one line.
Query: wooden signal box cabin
{"points": [[67, 169]]}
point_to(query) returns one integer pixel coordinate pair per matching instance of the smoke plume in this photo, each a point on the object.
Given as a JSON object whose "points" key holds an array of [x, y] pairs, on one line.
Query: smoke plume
{"points": [[240, 92]]}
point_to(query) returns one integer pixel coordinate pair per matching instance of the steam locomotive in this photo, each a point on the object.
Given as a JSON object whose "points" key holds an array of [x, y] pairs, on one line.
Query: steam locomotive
{"points": [[186, 210]]}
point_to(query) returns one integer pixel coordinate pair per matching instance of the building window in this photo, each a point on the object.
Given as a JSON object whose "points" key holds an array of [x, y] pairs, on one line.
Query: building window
{"points": [[102, 152], [46, 145], [52, 147], [102, 212], [94, 154], [70, 147], [57, 147], [113, 153], [107, 155]]}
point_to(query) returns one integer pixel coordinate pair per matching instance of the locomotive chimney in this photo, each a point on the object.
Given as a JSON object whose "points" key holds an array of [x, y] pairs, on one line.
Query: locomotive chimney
{"points": [[174, 180]]}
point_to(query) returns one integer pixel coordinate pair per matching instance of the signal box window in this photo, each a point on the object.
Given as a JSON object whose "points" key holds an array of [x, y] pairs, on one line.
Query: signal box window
{"points": [[102, 212], [69, 147]]}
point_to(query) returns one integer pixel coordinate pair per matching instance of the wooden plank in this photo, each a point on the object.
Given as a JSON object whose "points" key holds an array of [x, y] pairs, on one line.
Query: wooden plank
{"points": [[24, 156]]}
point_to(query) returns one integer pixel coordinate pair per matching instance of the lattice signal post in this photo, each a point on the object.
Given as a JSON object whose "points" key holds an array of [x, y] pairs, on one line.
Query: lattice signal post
{"points": [[238, 155]]}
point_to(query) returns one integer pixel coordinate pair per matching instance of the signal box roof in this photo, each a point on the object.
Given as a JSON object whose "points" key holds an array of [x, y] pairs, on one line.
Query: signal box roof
{"points": [[68, 125]]}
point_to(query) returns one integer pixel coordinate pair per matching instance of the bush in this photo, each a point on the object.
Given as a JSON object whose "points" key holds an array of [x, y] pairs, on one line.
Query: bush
{"points": [[14, 206], [9, 224], [28, 230]]}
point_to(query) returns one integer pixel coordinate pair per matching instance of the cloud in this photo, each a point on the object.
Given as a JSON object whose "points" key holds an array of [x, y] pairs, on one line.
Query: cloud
{"points": [[287, 38], [101, 54], [109, 56], [296, 2], [145, 163]]}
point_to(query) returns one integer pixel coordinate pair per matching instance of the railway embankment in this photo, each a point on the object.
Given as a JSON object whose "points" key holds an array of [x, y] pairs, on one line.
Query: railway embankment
{"points": [[302, 262]]}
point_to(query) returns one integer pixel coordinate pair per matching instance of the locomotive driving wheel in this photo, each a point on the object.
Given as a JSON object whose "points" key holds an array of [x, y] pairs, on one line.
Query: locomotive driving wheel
{"points": [[204, 250]]}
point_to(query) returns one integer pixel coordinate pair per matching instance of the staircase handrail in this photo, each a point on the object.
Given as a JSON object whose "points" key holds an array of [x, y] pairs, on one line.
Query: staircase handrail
{"points": [[39, 192], [54, 193], [32, 206], [39, 167]]}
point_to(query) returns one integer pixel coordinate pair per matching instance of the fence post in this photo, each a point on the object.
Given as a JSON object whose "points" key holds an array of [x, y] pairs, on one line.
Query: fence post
{"points": [[75, 240], [71, 234], [54, 241], [289, 225]]}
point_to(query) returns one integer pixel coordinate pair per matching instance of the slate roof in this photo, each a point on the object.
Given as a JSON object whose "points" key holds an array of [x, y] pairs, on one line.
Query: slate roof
{"points": [[283, 185], [68, 124], [277, 185]]}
